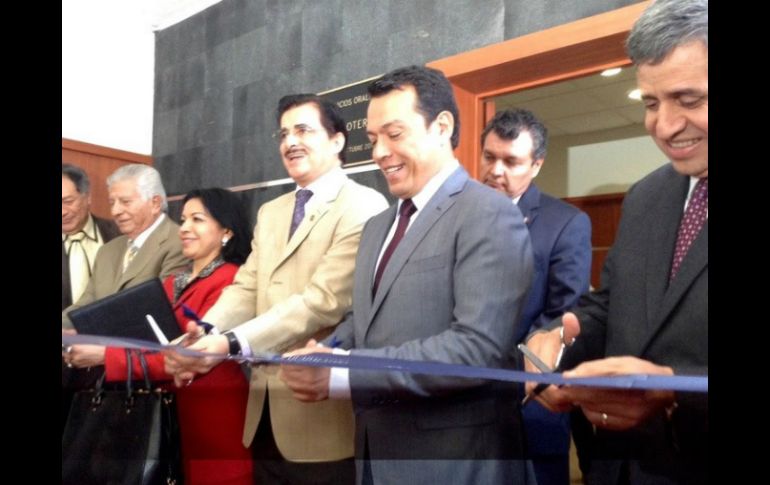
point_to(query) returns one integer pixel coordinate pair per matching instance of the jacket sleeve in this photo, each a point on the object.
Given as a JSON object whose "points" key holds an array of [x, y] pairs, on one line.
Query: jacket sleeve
{"points": [[325, 298], [569, 269]]}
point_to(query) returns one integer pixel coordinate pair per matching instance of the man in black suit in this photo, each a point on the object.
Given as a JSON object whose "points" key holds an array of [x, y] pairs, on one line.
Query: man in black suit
{"points": [[513, 148], [650, 314]]}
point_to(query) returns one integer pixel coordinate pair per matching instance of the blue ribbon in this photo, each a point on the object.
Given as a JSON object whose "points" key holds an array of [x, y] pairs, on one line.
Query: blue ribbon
{"points": [[382, 364]]}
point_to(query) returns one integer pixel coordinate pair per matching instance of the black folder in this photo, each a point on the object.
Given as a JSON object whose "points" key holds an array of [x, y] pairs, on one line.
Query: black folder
{"points": [[124, 314]]}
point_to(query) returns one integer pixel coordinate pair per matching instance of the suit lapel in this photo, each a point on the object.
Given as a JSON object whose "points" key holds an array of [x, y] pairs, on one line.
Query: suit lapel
{"points": [[529, 204], [145, 254], [186, 295], [308, 223], [662, 297], [441, 201], [369, 257], [694, 263]]}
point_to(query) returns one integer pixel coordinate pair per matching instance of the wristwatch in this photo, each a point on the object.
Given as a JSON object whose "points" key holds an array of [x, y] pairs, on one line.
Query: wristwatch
{"points": [[234, 346]]}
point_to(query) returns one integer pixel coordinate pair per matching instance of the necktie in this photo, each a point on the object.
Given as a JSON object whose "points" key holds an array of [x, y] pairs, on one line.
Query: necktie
{"points": [[130, 253], [302, 195], [692, 222], [405, 213], [80, 268]]}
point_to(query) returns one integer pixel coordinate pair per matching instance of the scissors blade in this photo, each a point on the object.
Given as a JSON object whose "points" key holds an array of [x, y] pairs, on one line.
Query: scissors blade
{"points": [[534, 359]]}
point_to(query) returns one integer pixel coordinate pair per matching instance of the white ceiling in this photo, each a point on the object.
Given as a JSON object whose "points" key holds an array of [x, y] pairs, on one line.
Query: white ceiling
{"points": [[582, 105]]}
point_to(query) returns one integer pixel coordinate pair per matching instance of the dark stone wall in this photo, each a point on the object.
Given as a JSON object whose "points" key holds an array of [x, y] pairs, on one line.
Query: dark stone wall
{"points": [[220, 73]]}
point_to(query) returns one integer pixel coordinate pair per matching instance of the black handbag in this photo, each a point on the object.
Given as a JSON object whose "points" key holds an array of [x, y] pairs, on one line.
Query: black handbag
{"points": [[122, 436]]}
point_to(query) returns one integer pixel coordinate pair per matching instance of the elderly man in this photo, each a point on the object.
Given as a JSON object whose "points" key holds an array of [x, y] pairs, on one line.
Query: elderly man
{"points": [[650, 314], [82, 233], [148, 248], [296, 284], [432, 283]]}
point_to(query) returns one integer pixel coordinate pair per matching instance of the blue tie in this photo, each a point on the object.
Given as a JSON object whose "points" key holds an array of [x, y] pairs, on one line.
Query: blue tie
{"points": [[303, 195]]}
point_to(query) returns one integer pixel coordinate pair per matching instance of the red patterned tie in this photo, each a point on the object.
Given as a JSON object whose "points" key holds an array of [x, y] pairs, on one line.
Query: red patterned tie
{"points": [[405, 212], [692, 222]]}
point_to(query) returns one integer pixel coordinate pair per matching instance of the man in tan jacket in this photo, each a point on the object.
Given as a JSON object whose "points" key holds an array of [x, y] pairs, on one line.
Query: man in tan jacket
{"points": [[297, 284], [148, 248]]}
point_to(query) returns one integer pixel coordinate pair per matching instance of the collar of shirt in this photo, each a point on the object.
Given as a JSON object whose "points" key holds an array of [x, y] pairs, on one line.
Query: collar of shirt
{"points": [[422, 198], [89, 229], [325, 188], [140, 240], [693, 181], [517, 199]]}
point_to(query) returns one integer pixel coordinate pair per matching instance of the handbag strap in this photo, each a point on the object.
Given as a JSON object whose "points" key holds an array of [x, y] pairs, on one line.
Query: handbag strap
{"points": [[129, 365], [96, 399], [143, 363]]}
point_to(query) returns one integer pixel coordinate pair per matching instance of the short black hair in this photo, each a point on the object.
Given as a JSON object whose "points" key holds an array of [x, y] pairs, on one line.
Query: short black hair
{"points": [[225, 207], [331, 118], [434, 93], [78, 177], [510, 123]]}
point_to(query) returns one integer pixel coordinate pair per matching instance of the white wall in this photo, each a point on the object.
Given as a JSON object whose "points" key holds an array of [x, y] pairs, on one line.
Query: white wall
{"points": [[598, 162], [108, 57], [613, 166]]}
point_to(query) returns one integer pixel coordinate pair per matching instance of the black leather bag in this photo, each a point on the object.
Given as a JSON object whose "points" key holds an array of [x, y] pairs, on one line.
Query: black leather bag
{"points": [[122, 436]]}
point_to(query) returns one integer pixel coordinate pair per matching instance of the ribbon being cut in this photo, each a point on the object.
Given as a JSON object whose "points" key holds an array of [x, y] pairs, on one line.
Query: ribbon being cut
{"points": [[631, 381]]}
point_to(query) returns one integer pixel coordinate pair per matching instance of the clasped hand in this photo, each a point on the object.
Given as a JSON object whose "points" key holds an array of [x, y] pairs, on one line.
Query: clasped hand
{"points": [[617, 409]]}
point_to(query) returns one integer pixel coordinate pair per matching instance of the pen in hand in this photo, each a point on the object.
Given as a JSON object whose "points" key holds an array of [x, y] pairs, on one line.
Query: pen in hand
{"points": [[188, 338], [189, 313]]}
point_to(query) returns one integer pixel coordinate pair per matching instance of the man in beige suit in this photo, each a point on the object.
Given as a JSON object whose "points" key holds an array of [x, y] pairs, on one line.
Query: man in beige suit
{"points": [[149, 247], [296, 284]]}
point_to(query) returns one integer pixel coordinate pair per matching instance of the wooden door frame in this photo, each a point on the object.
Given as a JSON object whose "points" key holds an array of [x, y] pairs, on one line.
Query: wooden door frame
{"points": [[570, 50]]}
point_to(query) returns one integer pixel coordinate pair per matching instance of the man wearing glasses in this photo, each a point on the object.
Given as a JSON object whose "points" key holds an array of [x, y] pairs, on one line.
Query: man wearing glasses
{"points": [[297, 284]]}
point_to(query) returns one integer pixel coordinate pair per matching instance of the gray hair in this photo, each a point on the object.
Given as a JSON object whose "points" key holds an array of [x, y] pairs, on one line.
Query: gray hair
{"points": [[78, 177], [666, 25], [148, 182]]}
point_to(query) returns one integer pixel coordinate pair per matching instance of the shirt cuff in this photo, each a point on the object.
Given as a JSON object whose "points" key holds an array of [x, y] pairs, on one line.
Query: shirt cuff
{"points": [[339, 381], [245, 348]]}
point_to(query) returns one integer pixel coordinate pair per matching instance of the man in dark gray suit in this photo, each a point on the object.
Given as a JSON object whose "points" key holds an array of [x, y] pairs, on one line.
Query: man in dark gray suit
{"points": [[440, 276], [650, 314]]}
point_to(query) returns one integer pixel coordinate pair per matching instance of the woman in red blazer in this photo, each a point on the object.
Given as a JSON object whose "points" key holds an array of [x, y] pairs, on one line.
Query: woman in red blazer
{"points": [[216, 237]]}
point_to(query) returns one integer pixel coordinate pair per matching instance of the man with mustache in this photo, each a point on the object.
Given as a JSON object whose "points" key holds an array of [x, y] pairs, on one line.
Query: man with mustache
{"points": [[295, 285]]}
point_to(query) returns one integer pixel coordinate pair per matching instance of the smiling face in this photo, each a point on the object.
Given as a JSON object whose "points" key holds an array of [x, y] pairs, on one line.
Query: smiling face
{"points": [[200, 233], [74, 207], [306, 148], [407, 151], [131, 212], [675, 93], [507, 165]]}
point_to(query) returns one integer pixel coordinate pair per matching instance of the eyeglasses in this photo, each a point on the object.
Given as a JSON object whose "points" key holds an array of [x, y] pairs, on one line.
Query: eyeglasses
{"points": [[300, 131]]}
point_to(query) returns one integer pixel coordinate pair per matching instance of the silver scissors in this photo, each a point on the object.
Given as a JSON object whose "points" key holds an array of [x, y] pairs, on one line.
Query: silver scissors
{"points": [[542, 367]]}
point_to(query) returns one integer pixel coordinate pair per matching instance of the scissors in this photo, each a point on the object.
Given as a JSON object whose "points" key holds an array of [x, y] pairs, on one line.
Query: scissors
{"points": [[542, 367]]}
